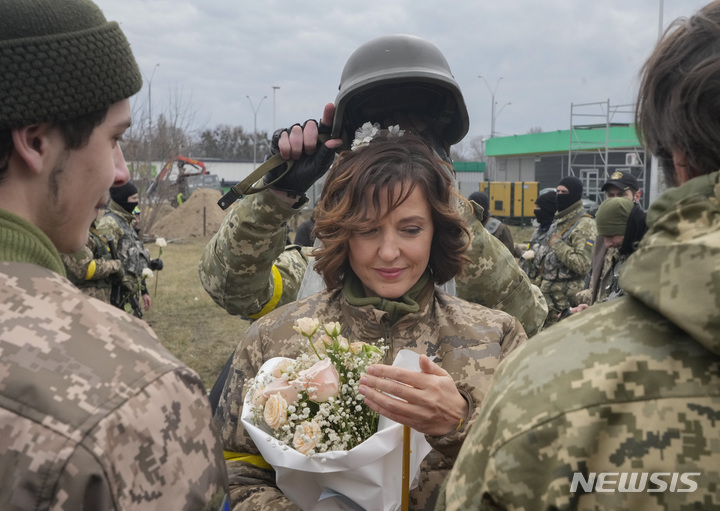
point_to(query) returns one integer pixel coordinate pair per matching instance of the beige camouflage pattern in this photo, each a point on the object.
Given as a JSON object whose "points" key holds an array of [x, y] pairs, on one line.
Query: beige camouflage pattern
{"points": [[468, 340], [94, 413], [97, 254], [568, 262], [236, 267], [631, 385]]}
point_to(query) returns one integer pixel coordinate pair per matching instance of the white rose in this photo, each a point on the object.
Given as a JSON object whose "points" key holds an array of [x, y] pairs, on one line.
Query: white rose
{"points": [[356, 347], [281, 367], [160, 242], [275, 413], [528, 254], [147, 273], [307, 435], [344, 343], [332, 329], [306, 326]]}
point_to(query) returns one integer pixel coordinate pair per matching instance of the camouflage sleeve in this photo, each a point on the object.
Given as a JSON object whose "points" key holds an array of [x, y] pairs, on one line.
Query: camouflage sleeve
{"points": [[576, 252], [495, 280], [83, 267], [245, 267]]}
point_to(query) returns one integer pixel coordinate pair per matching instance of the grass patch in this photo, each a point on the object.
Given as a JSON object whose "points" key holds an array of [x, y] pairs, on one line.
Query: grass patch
{"points": [[184, 317]]}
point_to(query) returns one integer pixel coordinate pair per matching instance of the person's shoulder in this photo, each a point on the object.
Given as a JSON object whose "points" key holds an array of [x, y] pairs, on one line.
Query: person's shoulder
{"points": [[323, 306], [470, 312]]}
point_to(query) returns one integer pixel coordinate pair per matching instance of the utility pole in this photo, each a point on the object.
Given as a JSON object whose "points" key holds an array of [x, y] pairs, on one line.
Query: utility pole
{"points": [[255, 111], [493, 115], [274, 124]]}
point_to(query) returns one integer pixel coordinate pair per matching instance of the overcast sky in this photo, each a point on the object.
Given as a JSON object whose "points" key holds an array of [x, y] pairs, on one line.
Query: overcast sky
{"points": [[550, 53]]}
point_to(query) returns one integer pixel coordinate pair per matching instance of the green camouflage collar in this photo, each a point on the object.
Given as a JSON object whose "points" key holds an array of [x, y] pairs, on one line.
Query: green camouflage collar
{"points": [[23, 242]]}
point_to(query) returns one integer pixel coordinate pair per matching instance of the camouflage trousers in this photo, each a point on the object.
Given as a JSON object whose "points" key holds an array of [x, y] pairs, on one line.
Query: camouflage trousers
{"points": [[559, 296]]}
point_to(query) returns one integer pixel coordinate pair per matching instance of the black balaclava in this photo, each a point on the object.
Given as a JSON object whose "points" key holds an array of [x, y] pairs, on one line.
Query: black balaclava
{"points": [[547, 203], [482, 199], [575, 189], [120, 195]]}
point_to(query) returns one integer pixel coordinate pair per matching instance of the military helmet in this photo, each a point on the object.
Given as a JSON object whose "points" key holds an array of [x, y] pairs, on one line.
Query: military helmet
{"points": [[399, 73]]}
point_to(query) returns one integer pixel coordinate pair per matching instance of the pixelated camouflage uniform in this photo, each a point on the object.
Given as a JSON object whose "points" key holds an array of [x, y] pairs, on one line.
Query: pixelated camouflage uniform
{"points": [[629, 386], [134, 256], [539, 245], [94, 413], [248, 270], [566, 265], [92, 268], [468, 340]]}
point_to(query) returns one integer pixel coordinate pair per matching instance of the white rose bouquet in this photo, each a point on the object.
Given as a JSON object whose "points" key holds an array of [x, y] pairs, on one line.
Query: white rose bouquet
{"points": [[309, 421]]}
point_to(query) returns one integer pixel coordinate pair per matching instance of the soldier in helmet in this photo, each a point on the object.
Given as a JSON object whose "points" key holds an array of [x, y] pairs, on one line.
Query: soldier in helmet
{"points": [[399, 79], [617, 408], [95, 413]]}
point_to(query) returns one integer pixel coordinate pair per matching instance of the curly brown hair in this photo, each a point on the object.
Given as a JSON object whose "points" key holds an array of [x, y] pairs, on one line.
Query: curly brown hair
{"points": [[678, 105], [385, 165]]}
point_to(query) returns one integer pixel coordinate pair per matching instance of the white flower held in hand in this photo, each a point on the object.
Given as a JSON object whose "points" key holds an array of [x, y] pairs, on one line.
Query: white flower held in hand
{"points": [[147, 273], [528, 254], [160, 242]]}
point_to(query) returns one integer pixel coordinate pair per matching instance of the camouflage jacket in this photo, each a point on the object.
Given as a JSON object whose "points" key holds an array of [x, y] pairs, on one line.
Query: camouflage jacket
{"points": [[539, 245], [90, 268], [96, 414], [134, 256], [624, 395], [569, 257], [468, 341], [248, 270]]}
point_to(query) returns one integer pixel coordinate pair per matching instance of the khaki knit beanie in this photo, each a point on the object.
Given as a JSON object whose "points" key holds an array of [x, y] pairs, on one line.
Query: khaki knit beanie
{"points": [[60, 59], [612, 216]]}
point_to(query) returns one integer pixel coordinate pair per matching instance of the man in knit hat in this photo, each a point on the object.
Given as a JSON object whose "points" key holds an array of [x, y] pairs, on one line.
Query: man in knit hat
{"points": [[119, 223], [96, 414], [620, 225], [571, 238]]}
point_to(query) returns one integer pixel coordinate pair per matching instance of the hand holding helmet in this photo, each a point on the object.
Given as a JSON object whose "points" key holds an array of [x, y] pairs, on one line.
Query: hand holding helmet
{"points": [[311, 160]]}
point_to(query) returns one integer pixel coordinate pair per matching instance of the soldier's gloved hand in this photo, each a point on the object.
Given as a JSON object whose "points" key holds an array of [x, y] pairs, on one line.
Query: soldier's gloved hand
{"points": [[156, 264], [300, 144], [118, 275]]}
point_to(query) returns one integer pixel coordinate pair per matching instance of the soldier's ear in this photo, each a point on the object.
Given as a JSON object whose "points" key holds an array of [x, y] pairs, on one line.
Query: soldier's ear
{"points": [[34, 145], [683, 173]]}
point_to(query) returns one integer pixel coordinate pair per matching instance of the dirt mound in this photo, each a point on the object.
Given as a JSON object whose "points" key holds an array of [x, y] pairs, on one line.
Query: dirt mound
{"points": [[186, 220]]}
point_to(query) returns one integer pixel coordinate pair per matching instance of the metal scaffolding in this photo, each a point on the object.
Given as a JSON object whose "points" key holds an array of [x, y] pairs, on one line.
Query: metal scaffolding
{"points": [[596, 152]]}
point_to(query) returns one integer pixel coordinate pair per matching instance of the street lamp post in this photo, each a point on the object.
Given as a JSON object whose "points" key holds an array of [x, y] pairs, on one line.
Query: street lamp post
{"points": [[255, 111], [275, 88], [152, 75], [492, 104]]}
